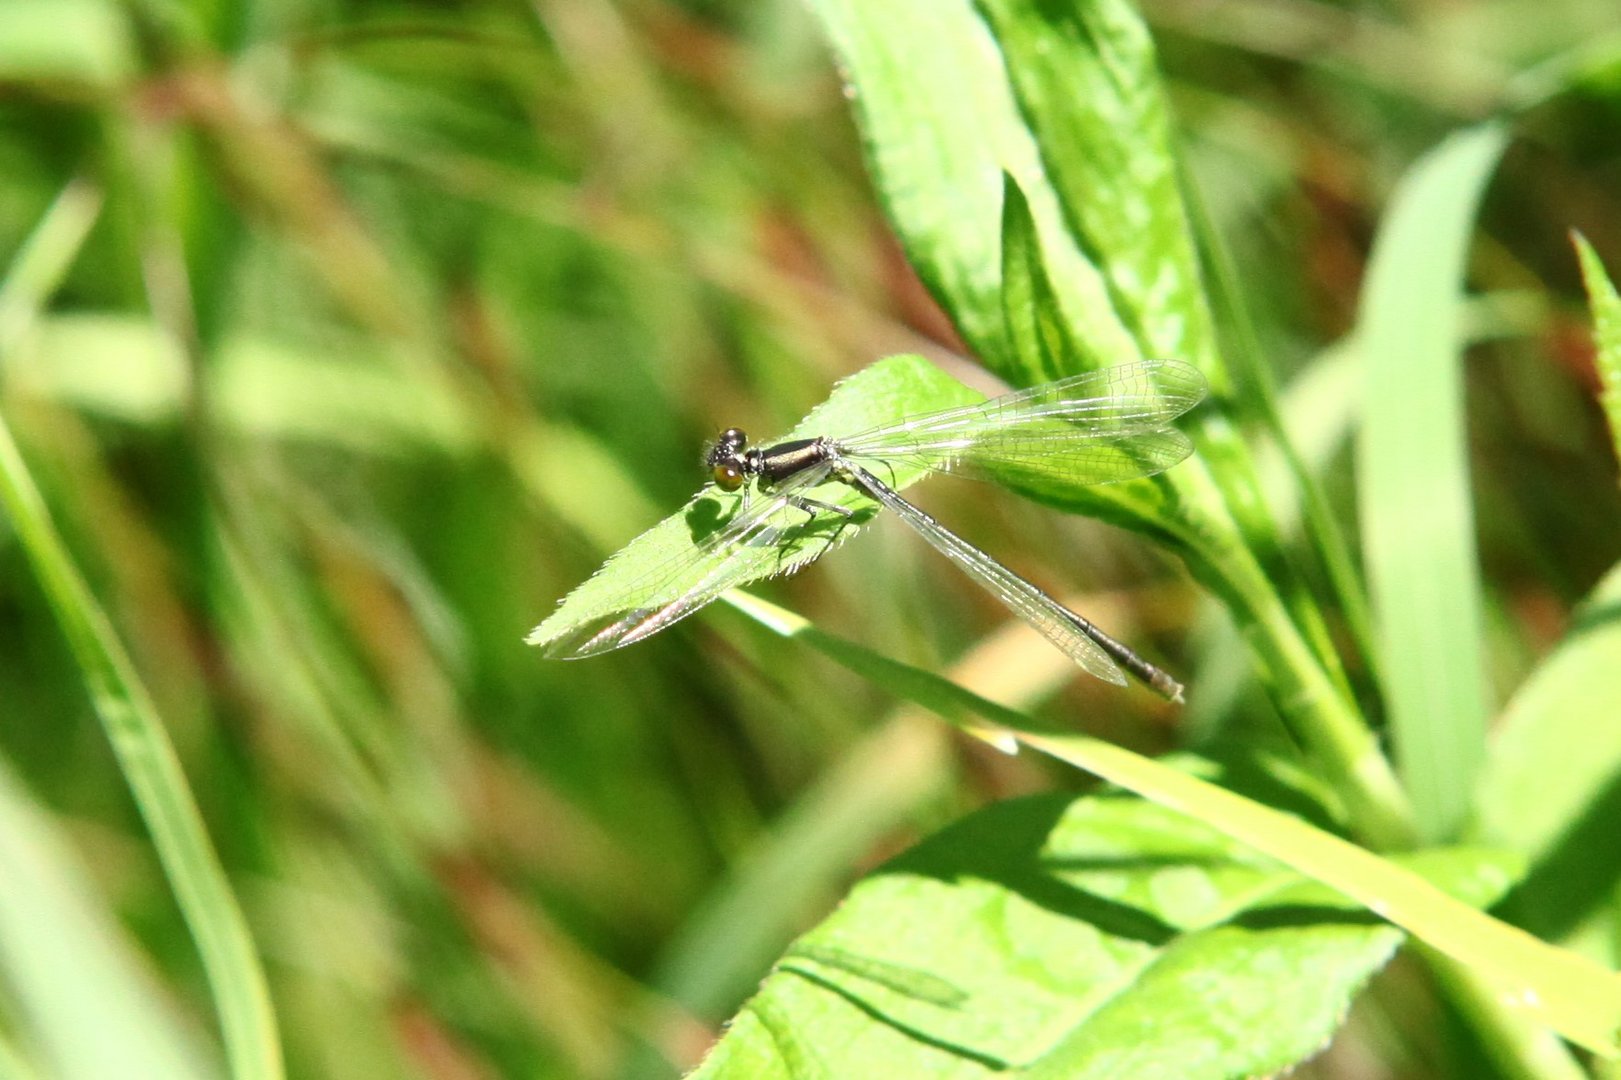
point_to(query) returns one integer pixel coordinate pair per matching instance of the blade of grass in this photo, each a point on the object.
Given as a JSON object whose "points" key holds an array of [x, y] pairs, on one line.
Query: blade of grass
{"points": [[40, 266], [1563, 990], [1413, 479], [134, 729], [1522, 1050], [1257, 399], [1606, 307]]}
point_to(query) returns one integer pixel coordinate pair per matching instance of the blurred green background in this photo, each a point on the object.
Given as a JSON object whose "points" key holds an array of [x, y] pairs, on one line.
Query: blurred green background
{"points": [[382, 324]]}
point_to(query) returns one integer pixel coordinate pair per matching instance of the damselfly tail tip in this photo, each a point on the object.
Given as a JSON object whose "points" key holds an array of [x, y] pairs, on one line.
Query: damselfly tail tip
{"points": [[1167, 688]]}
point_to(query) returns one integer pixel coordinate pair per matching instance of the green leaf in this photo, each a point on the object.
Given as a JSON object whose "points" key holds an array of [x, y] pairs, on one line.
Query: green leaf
{"points": [[636, 576], [938, 118], [1100, 936], [1086, 81], [1087, 86], [1551, 787], [1544, 984], [1413, 479], [1606, 335], [1037, 336], [940, 127]]}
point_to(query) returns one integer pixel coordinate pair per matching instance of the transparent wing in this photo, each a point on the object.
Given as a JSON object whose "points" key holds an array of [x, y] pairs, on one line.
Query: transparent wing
{"points": [[1056, 623], [749, 547], [1097, 428]]}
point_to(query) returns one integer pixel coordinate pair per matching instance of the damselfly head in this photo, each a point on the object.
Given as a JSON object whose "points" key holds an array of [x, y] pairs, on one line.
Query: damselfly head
{"points": [[724, 457]]}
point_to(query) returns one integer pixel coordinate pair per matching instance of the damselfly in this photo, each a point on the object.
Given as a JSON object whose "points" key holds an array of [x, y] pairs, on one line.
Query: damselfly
{"points": [[1101, 427]]}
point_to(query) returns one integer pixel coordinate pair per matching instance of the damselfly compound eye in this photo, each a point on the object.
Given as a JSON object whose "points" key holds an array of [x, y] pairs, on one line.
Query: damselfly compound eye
{"points": [[727, 477]]}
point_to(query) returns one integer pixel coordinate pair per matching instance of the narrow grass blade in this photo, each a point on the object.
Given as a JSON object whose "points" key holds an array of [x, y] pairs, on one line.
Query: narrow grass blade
{"points": [[1561, 989], [39, 267], [1414, 493], [1606, 306], [1551, 986], [136, 732], [1257, 401]]}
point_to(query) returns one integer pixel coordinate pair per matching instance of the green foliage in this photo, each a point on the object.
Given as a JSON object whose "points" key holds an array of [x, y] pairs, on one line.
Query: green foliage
{"points": [[1579, 999], [941, 125], [131, 721], [1413, 483], [1607, 335], [1083, 934], [638, 575], [1548, 729], [338, 341], [86, 1005]]}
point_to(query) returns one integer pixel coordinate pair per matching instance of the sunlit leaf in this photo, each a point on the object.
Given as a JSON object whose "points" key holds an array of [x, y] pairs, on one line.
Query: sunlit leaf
{"points": [[1606, 336], [634, 578], [1417, 516], [941, 126], [1545, 985], [1100, 936], [1551, 788], [1088, 87]]}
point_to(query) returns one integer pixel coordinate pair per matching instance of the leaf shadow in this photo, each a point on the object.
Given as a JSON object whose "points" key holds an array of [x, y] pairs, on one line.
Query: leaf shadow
{"points": [[711, 514], [1576, 872], [1013, 859], [911, 1031]]}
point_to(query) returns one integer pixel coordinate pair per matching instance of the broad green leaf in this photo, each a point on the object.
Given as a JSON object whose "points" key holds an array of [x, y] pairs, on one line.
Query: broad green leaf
{"points": [[1414, 499], [636, 576], [1606, 335], [940, 127], [75, 983], [1085, 79], [1097, 936], [1544, 984], [1551, 787]]}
